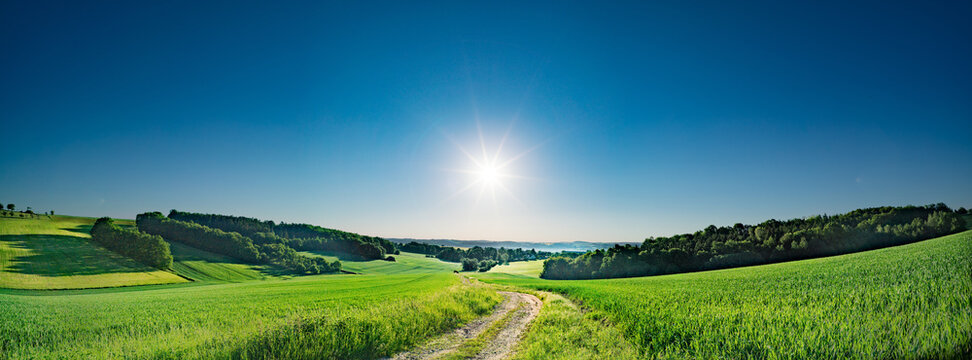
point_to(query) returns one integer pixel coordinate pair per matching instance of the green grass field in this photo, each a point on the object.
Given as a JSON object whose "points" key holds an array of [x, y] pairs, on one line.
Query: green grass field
{"points": [[910, 301], [405, 263], [55, 253], [326, 316], [201, 265], [525, 268]]}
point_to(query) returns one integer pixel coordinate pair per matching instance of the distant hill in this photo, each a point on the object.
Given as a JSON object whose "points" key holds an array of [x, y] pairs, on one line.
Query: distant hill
{"points": [[577, 246]]}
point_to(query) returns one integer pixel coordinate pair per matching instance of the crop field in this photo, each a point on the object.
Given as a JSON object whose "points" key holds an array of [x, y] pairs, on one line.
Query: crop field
{"points": [[55, 253], [405, 263], [327, 316], [910, 301]]}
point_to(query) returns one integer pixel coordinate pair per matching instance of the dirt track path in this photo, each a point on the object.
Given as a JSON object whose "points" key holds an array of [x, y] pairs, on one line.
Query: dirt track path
{"points": [[502, 345], [526, 306]]}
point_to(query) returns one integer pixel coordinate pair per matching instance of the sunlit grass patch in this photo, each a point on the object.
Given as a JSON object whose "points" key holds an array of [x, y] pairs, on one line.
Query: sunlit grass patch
{"points": [[530, 268]]}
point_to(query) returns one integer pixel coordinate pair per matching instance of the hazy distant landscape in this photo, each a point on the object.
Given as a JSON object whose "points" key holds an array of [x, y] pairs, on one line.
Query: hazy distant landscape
{"points": [[574, 246]]}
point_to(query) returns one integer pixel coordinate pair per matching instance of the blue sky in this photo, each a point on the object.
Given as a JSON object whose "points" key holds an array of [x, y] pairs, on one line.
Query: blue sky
{"points": [[633, 120]]}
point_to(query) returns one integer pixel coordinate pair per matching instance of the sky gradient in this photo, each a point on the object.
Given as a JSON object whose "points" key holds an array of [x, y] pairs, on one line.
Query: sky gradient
{"points": [[633, 120]]}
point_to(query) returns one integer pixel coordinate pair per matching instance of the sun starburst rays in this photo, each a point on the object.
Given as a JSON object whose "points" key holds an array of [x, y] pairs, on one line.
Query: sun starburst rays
{"points": [[489, 171]]}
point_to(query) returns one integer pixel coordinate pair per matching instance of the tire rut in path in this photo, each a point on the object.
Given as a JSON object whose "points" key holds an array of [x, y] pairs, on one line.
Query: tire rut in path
{"points": [[498, 348], [502, 345]]}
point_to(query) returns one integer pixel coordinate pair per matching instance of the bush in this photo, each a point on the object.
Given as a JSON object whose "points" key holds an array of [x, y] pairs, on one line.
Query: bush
{"points": [[485, 265], [469, 264], [390, 258], [151, 250]]}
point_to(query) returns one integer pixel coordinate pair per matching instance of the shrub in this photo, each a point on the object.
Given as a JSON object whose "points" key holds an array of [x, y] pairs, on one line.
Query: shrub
{"points": [[469, 264], [485, 265]]}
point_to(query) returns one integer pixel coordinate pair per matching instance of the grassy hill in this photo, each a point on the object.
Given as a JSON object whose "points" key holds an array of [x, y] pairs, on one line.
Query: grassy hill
{"points": [[910, 301], [405, 263], [56, 253]]}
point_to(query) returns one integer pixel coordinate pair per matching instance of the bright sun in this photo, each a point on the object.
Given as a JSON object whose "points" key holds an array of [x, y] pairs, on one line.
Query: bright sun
{"points": [[489, 174], [489, 170]]}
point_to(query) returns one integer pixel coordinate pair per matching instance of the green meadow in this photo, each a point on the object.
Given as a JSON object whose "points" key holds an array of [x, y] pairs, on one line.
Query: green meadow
{"points": [[910, 301], [530, 268], [326, 316], [56, 253], [405, 263]]}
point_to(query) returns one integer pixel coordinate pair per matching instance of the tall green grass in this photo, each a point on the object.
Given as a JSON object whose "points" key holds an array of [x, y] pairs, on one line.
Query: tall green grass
{"points": [[327, 316], [911, 301]]}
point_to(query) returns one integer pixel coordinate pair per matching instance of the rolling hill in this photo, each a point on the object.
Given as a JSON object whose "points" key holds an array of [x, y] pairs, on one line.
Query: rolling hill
{"points": [[56, 253]]}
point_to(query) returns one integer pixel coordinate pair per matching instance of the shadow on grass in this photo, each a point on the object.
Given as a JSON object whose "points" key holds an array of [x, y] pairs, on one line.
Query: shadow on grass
{"points": [[185, 253], [60, 255], [80, 229]]}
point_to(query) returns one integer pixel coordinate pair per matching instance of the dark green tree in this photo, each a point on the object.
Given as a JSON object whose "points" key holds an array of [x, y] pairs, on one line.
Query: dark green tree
{"points": [[469, 264]]}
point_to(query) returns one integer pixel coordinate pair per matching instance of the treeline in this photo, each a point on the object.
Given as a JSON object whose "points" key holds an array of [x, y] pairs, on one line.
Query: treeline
{"points": [[313, 237], [303, 237], [478, 253], [148, 249], [768, 242], [13, 212], [244, 225], [270, 250]]}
